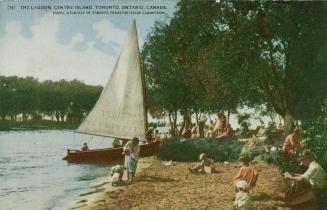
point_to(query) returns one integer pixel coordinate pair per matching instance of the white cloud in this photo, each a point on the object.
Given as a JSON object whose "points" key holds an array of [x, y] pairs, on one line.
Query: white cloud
{"points": [[43, 57], [107, 32], [77, 38]]}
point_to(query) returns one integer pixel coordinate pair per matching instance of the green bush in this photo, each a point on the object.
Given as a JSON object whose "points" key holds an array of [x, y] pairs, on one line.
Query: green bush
{"points": [[189, 150], [284, 161], [316, 142]]}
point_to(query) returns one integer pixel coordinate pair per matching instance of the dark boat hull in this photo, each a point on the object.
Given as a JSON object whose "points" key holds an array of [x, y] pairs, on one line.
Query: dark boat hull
{"points": [[108, 155]]}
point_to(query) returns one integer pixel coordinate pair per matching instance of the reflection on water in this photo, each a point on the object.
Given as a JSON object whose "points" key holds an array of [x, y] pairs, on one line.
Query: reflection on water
{"points": [[33, 174]]}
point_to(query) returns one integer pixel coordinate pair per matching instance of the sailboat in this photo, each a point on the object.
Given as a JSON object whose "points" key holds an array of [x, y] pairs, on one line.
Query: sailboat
{"points": [[120, 111]]}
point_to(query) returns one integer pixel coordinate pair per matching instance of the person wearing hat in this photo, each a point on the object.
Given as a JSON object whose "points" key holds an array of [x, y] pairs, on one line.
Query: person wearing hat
{"points": [[291, 142], [314, 178], [243, 199]]}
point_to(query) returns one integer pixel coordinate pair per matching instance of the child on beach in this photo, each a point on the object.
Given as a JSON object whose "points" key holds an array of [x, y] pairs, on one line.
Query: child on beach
{"points": [[243, 198], [131, 165], [131, 152], [200, 168], [117, 173]]}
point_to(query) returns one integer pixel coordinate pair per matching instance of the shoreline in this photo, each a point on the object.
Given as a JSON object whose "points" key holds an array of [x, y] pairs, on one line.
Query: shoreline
{"points": [[172, 186], [95, 194]]}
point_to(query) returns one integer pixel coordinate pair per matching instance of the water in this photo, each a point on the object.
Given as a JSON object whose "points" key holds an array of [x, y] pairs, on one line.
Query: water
{"points": [[33, 174]]}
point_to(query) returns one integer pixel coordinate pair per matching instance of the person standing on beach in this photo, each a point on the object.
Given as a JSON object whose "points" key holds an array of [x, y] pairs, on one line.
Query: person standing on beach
{"points": [[131, 152]]}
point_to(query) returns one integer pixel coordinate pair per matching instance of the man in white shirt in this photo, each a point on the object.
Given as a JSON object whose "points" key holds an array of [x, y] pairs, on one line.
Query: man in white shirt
{"points": [[313, 179]]}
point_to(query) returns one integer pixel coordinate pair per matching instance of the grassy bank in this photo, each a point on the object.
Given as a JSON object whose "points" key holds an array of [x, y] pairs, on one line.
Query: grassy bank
{"points": [[189, 150], [7, 125]]}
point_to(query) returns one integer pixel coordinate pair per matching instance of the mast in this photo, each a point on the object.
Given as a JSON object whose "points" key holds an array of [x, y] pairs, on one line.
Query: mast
{"points": [[145, 105]]}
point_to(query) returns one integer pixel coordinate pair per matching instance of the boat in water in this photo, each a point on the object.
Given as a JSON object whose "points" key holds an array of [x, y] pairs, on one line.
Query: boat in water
{"points": [[120, 111]]}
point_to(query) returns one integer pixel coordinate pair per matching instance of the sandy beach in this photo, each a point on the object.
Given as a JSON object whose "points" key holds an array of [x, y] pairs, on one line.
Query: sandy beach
{"points": [[173, 187], [96, 193]]}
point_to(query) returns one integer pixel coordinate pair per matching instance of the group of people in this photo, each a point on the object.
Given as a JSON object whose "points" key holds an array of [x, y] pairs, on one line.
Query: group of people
{"points": [[243, 182], [304, 187], [216, 129], [152, 135], [131, 151]]}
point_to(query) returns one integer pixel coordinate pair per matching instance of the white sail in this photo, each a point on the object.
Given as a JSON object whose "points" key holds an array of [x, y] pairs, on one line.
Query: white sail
{"points": [[120, 112]]}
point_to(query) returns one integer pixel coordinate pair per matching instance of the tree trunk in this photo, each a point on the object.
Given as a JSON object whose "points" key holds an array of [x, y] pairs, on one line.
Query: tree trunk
{"points": [[57, 116], [172, 122], [197, 118], [186, 122], [289, 124], [228, 116]]}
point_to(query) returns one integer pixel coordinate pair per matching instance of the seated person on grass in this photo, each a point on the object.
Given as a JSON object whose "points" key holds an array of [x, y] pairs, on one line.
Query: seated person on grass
{"points": [[204, 162], [270, 145], [247, 173], [313, 179], [252, 142], [227, 134], [243, 199], [291, 142]]}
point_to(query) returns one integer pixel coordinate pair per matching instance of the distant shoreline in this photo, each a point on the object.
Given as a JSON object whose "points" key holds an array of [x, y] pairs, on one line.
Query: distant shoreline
{"points": [[7, 125]]}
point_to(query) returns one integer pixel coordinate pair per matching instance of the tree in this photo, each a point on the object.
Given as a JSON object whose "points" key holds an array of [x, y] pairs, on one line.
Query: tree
{"points": [[262, 49], [176, 63]]}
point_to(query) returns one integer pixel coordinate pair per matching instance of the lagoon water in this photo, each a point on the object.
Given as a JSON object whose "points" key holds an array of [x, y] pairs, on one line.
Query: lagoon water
{"points": [[33, 174]]}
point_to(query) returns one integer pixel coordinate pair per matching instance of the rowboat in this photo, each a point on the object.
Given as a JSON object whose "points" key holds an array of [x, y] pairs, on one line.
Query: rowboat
{"points": [[109, 155]]}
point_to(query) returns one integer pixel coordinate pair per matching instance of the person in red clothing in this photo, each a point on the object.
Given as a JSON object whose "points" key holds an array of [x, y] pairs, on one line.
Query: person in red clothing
{"points": [[247, 173], [291, 142], [228, 133]]}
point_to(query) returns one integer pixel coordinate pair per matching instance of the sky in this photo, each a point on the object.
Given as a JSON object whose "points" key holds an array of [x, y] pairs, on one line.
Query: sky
{"points": [[35, 42]]}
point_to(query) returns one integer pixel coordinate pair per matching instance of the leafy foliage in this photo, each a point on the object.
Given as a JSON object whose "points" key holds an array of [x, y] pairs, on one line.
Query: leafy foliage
{"points": [[240, 52], [316, 137], [189, 150], [62, 100]]}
